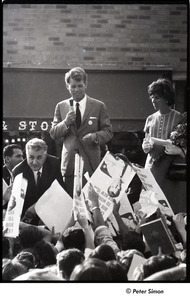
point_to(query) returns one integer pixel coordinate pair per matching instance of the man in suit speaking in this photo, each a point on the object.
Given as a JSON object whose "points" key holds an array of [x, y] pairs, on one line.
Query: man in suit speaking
{"points": [[83, 124], [40, 169]]}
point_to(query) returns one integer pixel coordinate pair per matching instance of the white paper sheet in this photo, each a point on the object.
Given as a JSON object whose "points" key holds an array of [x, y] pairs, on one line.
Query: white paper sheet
{"points": [[54, 207]]}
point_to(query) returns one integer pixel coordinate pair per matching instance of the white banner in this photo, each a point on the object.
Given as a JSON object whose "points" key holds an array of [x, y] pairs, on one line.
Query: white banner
{"points": [[15, 206]]}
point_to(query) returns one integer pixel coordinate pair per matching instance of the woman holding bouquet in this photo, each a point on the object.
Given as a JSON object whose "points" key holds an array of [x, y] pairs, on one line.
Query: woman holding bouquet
{"points": [[159, 142]]}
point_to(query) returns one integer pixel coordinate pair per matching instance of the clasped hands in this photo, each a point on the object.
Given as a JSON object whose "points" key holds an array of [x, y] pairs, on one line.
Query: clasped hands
{"points": [[169, 149]]}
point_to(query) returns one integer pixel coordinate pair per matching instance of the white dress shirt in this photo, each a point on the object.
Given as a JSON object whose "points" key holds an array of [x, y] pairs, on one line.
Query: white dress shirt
{"points": [[11, 177], [82, 106]]}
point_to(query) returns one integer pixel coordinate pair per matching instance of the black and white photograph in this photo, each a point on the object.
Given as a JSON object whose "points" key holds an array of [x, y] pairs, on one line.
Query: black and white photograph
{"points": [[94, 146]]}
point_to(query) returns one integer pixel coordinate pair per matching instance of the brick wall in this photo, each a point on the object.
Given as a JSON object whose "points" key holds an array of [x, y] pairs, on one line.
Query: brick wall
{"points": [[107, 36]]}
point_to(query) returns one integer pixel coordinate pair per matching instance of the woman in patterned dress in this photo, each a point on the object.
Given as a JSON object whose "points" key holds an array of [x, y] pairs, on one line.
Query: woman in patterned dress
{"points": [[159, 125]]}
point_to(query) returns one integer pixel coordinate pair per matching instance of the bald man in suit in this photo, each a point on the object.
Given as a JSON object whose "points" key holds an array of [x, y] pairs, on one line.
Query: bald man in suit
{"points": [[84, 132]]}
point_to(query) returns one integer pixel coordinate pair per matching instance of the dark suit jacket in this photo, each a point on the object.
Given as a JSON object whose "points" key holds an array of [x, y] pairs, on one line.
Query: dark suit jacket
{"points": [[50, 172], [95, 120], [6, 175]]}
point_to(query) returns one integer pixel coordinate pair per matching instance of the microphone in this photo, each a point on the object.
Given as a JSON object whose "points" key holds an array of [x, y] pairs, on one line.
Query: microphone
{"points": [[71, 104]]}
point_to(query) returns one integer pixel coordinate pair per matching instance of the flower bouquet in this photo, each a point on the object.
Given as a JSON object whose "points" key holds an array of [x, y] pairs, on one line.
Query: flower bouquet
{"points": [[179, 135]]}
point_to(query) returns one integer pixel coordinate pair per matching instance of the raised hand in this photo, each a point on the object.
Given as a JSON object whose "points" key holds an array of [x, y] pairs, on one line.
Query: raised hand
{"points": [[92, 195], [70, 118], [82, 220]]}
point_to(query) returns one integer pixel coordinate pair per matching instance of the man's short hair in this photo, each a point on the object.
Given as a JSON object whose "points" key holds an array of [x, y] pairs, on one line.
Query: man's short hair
{"points": [[91, 269], [74, 238], [117, 271], [45, 253], [12, 269], [155, 264], [68, 259], [36, 144], [103, 252], [9, 150], [29, 236], [124, 257], [77, 74]]}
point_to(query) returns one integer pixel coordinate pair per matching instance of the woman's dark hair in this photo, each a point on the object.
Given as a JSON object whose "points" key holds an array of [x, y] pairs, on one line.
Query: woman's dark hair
{"points": [[163, 87], [92, 269]]}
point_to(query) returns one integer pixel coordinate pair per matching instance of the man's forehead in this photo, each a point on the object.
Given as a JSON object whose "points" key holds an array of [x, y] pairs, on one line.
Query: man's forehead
{"points": [[36, 152], [73, 81]]}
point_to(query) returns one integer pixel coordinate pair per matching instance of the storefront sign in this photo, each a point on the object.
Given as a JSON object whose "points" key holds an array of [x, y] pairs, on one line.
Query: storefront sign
{"points": [[14, 124]]}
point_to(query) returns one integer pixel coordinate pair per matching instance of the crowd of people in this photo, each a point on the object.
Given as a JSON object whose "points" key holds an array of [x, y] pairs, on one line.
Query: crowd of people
{"points": [[86, 250]]}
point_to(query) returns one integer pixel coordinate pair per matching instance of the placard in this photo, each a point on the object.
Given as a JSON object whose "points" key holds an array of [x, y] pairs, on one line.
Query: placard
{"points": [[15, 206], [55, 207], [110, 180]]}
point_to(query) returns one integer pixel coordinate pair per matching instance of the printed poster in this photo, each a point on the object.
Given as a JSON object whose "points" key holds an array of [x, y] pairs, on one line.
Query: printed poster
{"points": [[110, 180], [153, 197], [15, 206]]}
